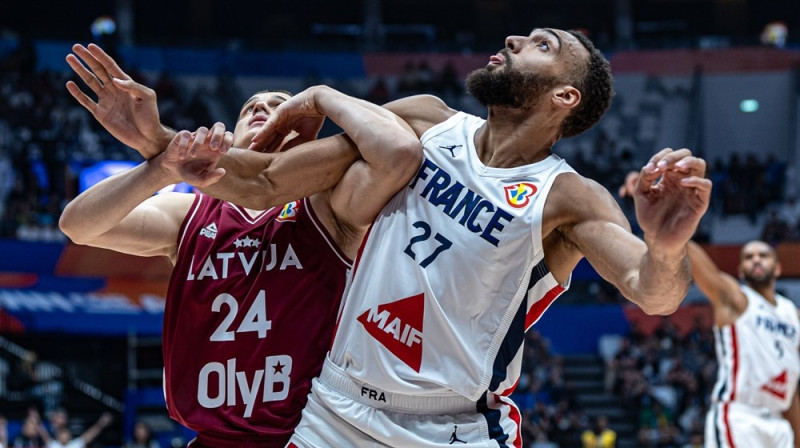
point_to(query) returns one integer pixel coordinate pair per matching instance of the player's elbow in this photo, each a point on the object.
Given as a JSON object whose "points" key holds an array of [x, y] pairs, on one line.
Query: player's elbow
{"points": [[71, 226], [405, 159], [664, 305]]}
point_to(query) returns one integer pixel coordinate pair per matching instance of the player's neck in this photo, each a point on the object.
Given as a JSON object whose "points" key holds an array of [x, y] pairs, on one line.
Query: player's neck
{"points": [[504, 144], [767, 291]]}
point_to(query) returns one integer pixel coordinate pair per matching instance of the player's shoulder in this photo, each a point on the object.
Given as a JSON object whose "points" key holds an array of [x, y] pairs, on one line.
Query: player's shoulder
{"points": [[421, 112], [574, 198], [580, 190]]}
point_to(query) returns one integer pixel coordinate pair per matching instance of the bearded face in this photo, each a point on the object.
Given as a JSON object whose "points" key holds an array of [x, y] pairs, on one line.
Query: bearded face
{"points": [[758, 265], [504, 86], [759, 274]]}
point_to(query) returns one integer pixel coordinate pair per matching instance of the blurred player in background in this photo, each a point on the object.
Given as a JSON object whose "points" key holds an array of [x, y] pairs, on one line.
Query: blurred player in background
{"points": [[757, 335], [254, 294]]}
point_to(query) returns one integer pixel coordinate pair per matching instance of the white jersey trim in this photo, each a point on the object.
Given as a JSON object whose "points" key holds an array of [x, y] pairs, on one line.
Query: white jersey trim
{"points": [[246, 216], [187, 221]]}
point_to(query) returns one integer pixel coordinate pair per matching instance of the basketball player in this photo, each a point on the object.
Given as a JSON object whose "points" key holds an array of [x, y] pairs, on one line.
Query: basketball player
{"points": [[461, 262], [253, 297], [757, 336]]}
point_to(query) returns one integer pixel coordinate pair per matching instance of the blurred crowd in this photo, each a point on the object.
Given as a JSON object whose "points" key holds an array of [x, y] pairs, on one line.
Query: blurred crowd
{"points": [[61, 431], [46, 138], [664, 379], [550, 412]]}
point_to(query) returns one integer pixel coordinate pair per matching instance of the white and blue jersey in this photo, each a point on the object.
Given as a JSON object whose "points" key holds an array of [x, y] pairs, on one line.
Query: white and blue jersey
{"points": [[759, 367], [451, 275]]}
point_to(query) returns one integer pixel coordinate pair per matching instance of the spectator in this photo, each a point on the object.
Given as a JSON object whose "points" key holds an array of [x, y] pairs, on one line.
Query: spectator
{"points": [[47, 385], [600, 435], [775, 230], [379, 92], [58, 419], [142, 437], [542, 441], [33, 434], [63, 436], [449, 81], [408, 82]]}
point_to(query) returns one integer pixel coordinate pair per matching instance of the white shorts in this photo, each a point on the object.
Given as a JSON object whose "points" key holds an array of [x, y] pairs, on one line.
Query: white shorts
{"points": [[341, 413], [734, 425]]}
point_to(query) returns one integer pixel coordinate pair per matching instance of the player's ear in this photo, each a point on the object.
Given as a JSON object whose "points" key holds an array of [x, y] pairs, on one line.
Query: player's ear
{"points": [[566, 97]]}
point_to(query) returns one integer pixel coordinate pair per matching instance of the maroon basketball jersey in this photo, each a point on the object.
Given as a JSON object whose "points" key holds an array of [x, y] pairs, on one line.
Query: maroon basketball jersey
{"points": [[250, 313]]}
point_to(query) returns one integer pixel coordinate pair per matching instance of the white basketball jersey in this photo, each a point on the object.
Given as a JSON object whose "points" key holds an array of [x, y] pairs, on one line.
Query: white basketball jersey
{"points": [[451, 274], [758, 356]]}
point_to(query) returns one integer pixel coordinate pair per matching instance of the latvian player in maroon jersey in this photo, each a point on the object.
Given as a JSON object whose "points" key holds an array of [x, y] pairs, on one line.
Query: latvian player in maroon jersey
{"points": [[254, 295]]}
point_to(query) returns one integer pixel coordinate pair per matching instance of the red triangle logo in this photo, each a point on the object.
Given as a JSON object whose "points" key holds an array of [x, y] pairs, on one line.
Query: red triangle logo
{"points": [[777, 386], [398, 326]]}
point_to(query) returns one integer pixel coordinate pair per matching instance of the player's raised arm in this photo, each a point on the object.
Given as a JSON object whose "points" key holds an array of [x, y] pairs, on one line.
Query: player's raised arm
{"points": [[671, 196], [125, 108], [721, 288], [121, 213], [390, 150], [260, 181]]}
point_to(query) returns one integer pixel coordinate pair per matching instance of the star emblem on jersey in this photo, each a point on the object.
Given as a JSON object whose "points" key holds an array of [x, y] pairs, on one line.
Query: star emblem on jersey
{"points": [[247, 242], [777, 386], [519, 195], [398, 326], [289, 212]]}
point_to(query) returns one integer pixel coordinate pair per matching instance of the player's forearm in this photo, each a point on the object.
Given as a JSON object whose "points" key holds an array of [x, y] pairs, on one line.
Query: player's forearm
{"points": [[155, 144], [260, 181], [384, 141], [104, 205], [662, 281]]}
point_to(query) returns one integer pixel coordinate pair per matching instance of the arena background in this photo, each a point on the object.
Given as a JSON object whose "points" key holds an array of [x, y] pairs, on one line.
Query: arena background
{"points": [[80, 327]]}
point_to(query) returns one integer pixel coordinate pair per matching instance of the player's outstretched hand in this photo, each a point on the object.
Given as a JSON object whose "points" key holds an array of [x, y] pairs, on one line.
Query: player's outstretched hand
{"points": [[298, 114], [127, 109], [193, 156], [671, 194]]}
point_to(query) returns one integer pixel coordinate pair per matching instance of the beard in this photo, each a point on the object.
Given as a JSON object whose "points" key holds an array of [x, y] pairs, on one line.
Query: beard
{"points": [[492, 86], [757, 281]]}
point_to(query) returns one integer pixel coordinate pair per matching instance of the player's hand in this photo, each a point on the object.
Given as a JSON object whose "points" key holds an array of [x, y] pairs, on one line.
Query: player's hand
{"points": [[671, 195], [127, 109], [105, 419], [299, 114], [192, 157]]}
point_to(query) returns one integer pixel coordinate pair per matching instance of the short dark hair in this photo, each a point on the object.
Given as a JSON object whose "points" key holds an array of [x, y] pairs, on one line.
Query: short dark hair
{"points": [[596, 85]]}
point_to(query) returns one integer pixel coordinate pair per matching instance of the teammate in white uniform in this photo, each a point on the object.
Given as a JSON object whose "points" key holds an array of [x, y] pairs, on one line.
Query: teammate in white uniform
{"points": [[757, 336], [461, 262], [754, 403]]}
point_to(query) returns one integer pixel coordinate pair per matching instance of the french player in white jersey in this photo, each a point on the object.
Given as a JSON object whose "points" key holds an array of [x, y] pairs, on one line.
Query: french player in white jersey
{"points": [[461, 262], [757, 337]]}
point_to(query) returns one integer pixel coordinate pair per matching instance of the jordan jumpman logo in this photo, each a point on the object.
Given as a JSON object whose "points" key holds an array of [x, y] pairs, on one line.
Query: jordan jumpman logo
{"points": [[453, 437]]}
